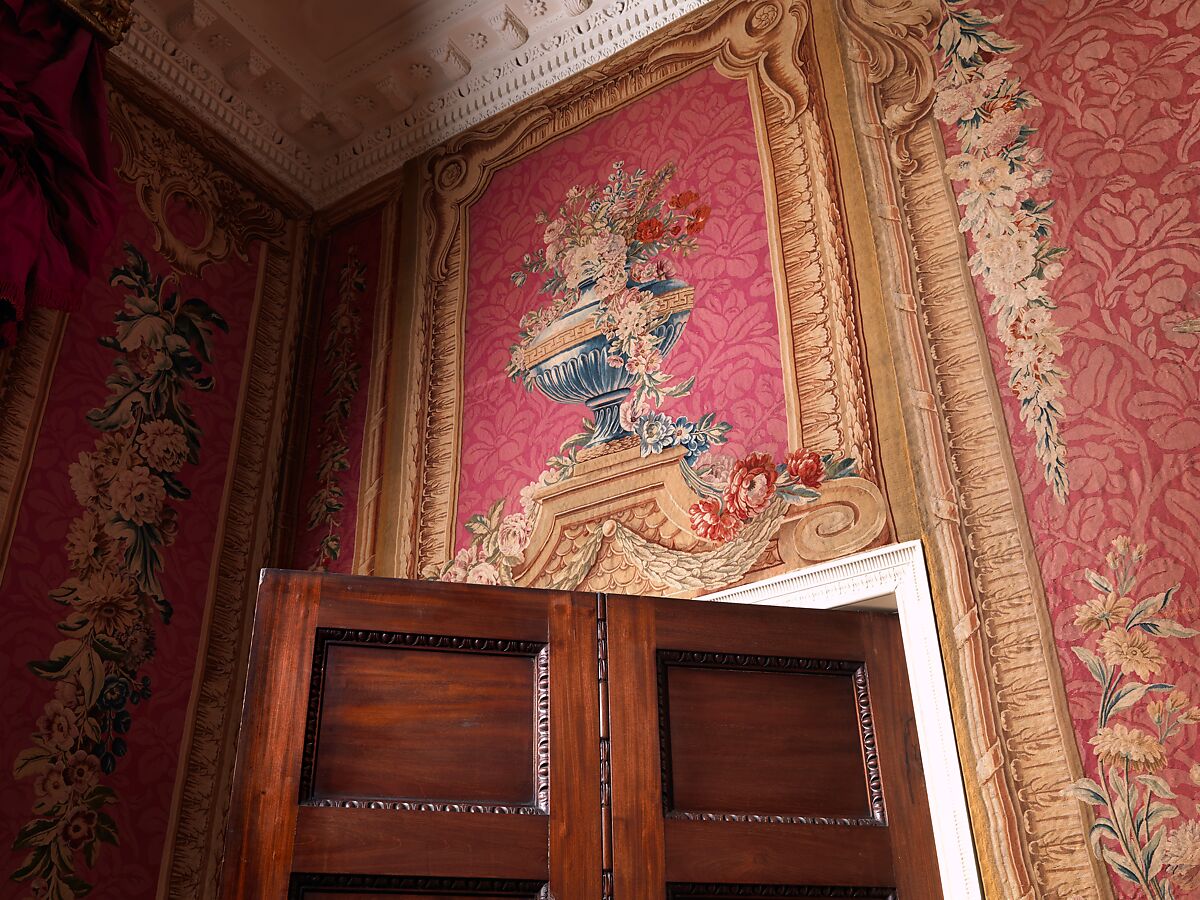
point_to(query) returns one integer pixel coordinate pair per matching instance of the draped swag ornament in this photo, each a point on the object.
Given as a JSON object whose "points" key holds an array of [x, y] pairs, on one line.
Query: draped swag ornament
{"points": [[57, 203]]}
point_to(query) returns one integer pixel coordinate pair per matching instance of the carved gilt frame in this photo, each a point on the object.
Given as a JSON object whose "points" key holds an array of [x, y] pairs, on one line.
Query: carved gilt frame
{"points": [[768, 47]]}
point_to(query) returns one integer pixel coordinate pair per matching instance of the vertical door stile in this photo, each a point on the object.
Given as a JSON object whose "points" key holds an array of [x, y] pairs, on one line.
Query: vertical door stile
{"points": [[606, 862]]}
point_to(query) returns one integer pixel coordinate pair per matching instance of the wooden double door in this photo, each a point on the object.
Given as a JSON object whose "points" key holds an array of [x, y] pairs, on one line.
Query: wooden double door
{"points": [[412, 740]]}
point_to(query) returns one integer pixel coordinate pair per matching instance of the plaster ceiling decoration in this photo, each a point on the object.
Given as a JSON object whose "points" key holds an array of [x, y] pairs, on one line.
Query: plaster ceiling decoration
{"points": [[331, 94]]}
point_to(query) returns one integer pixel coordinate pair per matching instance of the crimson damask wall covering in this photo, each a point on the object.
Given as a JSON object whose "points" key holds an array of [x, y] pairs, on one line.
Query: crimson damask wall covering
{"points": [[111, 584], [1075, 126], [337, 401]]}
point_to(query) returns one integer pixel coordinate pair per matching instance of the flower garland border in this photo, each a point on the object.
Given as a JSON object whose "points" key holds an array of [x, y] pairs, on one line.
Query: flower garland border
{"points": [[147, 434], [1015, 255], [333, 459]]}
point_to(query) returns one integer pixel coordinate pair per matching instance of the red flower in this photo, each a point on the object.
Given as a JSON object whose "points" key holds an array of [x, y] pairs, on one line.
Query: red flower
{"points": [[751, 485], [806, 467], [710, 523], [649, 230], [699, 217], [687, 198]]}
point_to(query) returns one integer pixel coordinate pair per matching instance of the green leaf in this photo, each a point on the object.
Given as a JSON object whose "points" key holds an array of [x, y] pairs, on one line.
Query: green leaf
{"points": [[1151, 606], [1098, 581], [34, 863], [1100, 829], [1126, 697], [32, 761], [1088, 791], [91, 676], [1099, 669], [1121, 864], [1159, 812], [1160, 627], [37, 833], [108, 647], [1151, 858], [1157, 786]]}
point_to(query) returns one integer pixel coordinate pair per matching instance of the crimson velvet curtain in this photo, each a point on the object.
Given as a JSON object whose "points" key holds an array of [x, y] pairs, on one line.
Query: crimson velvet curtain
{"points": [[57, 204]]}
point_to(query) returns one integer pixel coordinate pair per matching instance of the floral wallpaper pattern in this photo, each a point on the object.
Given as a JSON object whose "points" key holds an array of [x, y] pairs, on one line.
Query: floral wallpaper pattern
{"points": [[1117, 119], [999, 176], [110, 564], [337, 396]]}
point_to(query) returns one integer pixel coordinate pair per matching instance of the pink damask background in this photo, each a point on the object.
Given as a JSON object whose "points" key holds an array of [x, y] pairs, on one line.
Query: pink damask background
{"points": [[144, 779], [1119, 85], [363, 235], [704, 125]]}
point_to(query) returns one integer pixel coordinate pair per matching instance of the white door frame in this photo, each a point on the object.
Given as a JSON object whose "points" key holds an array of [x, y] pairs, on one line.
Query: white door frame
{"points": [[896, 578]]}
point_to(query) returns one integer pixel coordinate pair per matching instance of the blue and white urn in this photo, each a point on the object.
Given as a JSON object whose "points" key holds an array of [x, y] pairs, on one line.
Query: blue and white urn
{"points": [[568, 361]]}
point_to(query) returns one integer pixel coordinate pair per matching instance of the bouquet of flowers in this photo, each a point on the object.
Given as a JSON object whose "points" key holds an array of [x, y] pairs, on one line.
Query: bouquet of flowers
{"points": [[613, 241]]}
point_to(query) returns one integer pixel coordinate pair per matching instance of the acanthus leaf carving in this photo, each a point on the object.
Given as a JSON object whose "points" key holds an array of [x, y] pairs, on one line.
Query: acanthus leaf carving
{"points": [[895, 36], [165, 171]]}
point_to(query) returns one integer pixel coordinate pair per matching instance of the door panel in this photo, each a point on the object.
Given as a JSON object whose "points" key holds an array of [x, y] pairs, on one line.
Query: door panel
{"points": [[407, 739], [769, 747], [359, 887], [404, 739]]}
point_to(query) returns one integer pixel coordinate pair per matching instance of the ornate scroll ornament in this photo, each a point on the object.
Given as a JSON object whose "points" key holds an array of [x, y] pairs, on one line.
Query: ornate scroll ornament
{"points": [[1003, 665], [340, 361], [182, 182], [110, 19], [894, 34], [621, 519]]}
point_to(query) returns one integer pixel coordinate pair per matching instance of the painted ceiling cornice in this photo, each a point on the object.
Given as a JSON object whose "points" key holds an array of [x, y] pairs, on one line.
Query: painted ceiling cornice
{"points": [[329, 95]]}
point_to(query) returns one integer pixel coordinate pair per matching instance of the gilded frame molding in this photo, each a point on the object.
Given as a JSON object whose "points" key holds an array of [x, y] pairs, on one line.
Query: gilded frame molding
{"points": [[1014, 729], [767, 45]]}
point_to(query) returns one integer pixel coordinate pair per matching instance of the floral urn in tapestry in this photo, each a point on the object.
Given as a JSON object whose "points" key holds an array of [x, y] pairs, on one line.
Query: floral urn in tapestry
{"points": [[618, 308]]}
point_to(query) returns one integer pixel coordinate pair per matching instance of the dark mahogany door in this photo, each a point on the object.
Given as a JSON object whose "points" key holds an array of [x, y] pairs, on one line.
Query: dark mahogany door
{"points": [[411, 740], [762, 752], [407, 739]]}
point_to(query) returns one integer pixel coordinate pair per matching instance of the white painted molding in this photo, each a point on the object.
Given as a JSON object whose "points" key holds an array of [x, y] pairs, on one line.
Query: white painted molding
{"points": [[895, 577], [568, 45]]}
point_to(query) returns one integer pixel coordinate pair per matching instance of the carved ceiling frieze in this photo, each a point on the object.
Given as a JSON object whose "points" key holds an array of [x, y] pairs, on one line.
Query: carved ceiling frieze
{"points": [[330, 96]]}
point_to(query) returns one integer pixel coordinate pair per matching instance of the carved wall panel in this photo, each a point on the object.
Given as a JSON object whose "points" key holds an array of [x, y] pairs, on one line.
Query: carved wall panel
{"points": [[633, 513]]}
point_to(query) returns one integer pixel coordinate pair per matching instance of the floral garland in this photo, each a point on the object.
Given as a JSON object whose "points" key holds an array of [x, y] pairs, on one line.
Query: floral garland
{"points": [[1131, 834], [114, 550], [732, 492], [1011, 229], [612, 241], [342, 363]]}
